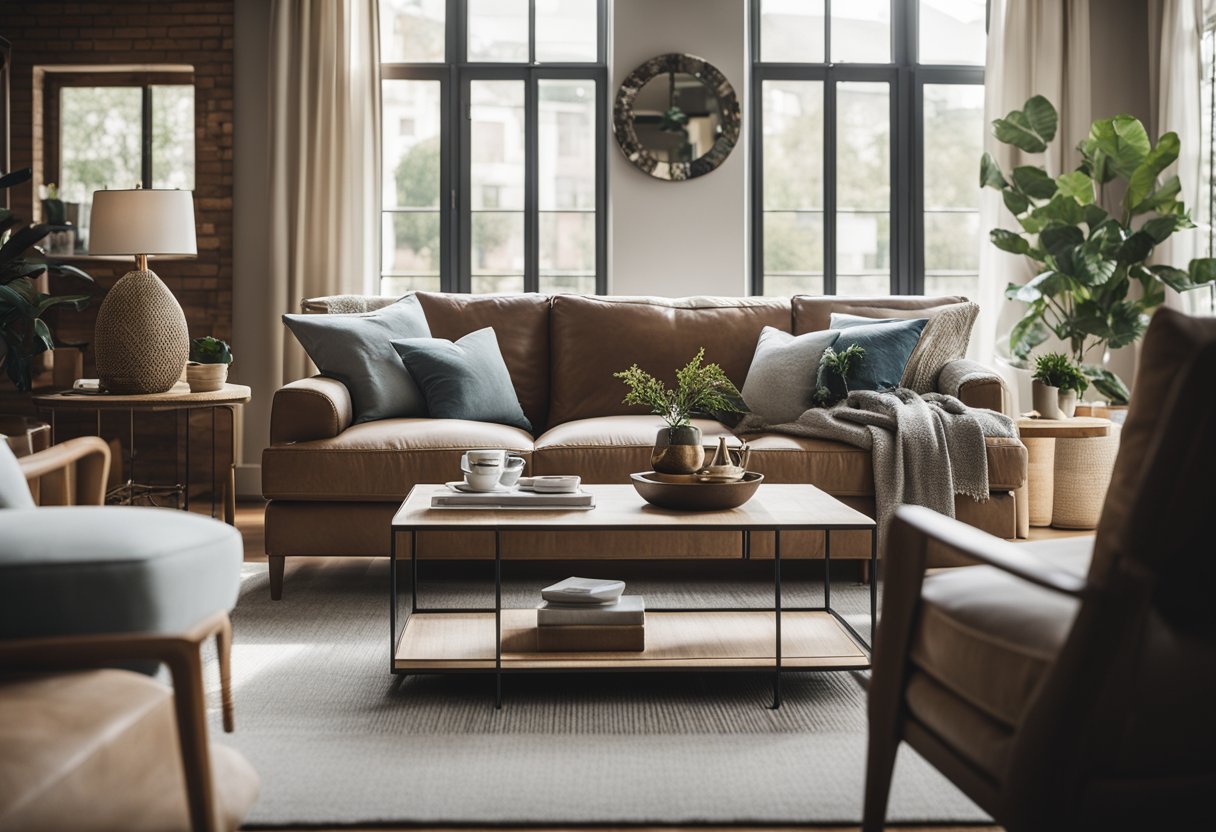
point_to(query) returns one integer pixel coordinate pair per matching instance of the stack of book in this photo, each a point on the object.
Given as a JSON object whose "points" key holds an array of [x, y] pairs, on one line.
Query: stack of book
{"points": [[587, 615]]}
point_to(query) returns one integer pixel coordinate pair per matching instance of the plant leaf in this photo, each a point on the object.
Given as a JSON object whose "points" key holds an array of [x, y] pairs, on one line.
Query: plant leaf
{"points": [[1107, 383], [1015, 202], [1095, 216], [1077, 185], [1136, 247], [1027, 334], [1034, 182], [1009, 241], [1176, 279], [1016, 129], [1144, 177], [21, 240], [1042, 117], [990, 174], [1056, 238], [16, 177], [1203, 270], [1163, 198], [1123, 141]]}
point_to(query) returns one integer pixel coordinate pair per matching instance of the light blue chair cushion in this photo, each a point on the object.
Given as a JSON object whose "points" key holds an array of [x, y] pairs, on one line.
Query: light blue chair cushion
{"points": [[104, 569], [14, 490]]}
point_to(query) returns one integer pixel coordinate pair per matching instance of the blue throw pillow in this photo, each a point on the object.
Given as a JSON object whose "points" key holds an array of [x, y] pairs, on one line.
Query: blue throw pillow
{"points": [[888, 345], [467, 379], [355, 350]]}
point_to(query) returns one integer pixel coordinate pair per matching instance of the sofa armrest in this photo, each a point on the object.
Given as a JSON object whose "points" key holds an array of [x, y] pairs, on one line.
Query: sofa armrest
{"points": [[974, 385], [311, 408]]}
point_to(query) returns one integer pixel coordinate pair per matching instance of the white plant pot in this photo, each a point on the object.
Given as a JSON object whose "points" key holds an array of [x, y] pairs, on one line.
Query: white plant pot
{"points": [[1046, 400], [1067, 401], [206, 378]]}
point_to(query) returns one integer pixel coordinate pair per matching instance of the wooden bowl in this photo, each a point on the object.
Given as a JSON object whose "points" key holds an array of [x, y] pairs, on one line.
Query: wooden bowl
{"points": [[696, 496]]}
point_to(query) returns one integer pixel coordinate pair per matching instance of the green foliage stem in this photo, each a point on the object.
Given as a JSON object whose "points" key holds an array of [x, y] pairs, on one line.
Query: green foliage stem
{"points": [[700, 388]]}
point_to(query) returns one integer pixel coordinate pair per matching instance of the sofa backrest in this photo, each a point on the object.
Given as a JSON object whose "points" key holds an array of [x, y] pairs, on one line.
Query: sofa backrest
{"points": [[813, 312], [594, 337]]}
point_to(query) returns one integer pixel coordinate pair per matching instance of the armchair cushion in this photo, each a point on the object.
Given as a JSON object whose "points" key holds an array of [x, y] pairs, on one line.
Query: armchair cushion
{"points": [[987, 637], [94, 569]]}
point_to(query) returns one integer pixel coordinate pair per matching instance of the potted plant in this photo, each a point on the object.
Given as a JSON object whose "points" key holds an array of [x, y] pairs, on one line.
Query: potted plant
{"points": [[700, 388], [207, 369], [839, 365], [1087, 250], [1058, 381], [24, 333]]}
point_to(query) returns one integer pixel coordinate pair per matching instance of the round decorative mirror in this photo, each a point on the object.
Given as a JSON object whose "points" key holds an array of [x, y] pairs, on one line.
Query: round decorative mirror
{"points": [[676, 117]]}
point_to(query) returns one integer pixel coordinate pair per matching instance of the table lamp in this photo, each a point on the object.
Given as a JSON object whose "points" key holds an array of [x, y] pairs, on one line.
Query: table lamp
{"points": [[140, 339]]}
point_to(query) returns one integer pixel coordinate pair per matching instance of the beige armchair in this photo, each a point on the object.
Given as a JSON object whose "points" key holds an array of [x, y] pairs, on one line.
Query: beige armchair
{"points": [[1070, 684]]}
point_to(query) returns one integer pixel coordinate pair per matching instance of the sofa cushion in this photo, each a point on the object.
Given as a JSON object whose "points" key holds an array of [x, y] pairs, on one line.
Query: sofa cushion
{"points": [[594, 337], [887, 345], [98, 750], [814, 312], [988, 637], [521, 323], [464, 379], [780, 384], [607, 449], [355, 350], [106, 569], [380, 460]]}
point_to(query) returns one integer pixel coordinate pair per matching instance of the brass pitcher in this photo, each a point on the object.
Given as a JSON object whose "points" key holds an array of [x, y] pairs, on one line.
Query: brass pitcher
{"points": [[728, 465]]}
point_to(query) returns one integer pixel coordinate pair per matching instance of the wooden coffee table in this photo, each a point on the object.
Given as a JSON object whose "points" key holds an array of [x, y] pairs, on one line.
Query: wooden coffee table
{"points": [[776, 638]]}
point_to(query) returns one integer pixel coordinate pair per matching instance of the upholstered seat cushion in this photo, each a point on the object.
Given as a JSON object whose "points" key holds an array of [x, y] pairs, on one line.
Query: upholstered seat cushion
{"points": [[987, 637], [97, 750], [607, 449], [381, 460], [88, 569]]}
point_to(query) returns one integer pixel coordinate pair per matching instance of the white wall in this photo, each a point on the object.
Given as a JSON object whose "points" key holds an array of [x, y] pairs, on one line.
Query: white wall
{"points": [[679, 238]]}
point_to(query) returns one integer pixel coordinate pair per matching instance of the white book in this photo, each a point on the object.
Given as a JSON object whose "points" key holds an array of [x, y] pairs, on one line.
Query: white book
{"points": [[583, 591], [629, 610], [512, 499]]}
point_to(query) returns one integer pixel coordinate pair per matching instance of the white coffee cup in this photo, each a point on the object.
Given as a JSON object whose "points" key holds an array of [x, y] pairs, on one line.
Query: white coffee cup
{"points": [[483, 477], [507, 467]]}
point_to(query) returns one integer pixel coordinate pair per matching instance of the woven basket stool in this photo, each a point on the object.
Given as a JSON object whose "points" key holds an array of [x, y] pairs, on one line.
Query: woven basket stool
{"points": [[1082, 475]]}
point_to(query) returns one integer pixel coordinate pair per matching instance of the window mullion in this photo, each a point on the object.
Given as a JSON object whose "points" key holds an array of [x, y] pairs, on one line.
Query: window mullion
{"points": [[829, 183], [145, 152], [531, 183]]}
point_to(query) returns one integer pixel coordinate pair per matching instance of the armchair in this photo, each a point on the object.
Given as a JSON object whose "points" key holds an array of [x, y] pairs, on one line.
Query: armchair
{"points": [[1068, 684], [85, 589]]}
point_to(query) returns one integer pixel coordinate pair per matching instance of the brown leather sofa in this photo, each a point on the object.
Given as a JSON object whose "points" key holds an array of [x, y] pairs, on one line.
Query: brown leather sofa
{"points": [[334, 486]]}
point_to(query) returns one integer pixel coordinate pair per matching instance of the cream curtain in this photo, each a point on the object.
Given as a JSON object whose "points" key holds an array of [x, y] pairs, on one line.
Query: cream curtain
{"points": [[325, 151], [1035, 47]]}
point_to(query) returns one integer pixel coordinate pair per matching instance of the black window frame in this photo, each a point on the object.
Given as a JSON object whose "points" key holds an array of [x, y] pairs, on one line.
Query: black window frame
{"points": [[907, 80], [454, 76]]}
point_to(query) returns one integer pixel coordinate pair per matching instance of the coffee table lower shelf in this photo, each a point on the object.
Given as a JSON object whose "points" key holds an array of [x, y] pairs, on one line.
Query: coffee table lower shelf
{"points": [[696, 640]]}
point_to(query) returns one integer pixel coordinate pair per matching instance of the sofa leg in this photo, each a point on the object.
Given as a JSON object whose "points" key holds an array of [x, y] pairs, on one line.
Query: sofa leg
{"points": [[277, 563]]}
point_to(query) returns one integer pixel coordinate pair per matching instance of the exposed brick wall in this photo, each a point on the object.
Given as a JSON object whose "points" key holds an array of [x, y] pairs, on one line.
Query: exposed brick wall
{"points": [[50, 32]]}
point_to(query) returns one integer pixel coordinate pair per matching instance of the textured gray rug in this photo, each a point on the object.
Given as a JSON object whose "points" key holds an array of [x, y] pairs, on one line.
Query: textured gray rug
{"points": [[337, 740]]}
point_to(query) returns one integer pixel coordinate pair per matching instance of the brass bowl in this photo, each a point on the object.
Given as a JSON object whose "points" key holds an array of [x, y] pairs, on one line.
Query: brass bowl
{"points": [[696, 496]]}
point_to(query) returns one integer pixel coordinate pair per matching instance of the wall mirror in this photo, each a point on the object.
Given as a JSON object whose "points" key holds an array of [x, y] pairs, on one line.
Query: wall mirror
{"points": [[676, 117]]}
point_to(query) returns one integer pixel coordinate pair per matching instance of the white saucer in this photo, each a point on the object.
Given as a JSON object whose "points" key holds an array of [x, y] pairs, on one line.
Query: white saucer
{"points": [[464, 488]]}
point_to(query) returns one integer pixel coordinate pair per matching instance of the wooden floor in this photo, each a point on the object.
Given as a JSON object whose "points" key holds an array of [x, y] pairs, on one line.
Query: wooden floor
{"points": [[249, 519]]}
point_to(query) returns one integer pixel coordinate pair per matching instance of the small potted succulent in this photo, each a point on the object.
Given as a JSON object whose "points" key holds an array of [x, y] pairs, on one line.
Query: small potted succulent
{"points": [[207, 370], [700, 389], [1058, 381]]}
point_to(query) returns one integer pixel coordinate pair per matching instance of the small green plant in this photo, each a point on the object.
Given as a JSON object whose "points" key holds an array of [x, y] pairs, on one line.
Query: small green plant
{"points": [[700, 388], [210, 350], [1055, 369], [839, 365]]}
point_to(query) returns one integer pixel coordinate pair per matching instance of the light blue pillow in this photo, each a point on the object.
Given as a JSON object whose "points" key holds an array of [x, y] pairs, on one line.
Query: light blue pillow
{"points": [[888, 344], [355, 350], [780, 384], [14, 490], [467, 379]]}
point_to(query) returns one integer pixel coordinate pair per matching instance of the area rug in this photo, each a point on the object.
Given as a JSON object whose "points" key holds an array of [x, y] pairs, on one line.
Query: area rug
{"points": [[337, 740]]}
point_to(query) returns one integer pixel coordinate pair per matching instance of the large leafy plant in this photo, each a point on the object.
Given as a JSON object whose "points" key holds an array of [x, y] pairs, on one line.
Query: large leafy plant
{"points": [[23, 332], [700, 388], [1088, 253]]}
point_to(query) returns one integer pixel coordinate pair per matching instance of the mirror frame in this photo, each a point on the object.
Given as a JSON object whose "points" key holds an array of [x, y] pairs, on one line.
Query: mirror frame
{"points": [[627, 137]]}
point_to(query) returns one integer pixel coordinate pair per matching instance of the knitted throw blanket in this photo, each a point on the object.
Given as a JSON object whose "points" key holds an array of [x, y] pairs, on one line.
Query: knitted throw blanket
{"points": [[925, 448]]}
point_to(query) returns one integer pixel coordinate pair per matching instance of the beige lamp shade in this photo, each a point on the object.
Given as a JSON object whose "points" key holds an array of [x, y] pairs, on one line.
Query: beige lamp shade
{"points": [[139, 221]]}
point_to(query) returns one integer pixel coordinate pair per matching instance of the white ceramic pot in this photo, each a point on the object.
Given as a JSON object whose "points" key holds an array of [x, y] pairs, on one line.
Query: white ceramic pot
{"points": [[1046, 400], [1067, 401], [206, 378]]}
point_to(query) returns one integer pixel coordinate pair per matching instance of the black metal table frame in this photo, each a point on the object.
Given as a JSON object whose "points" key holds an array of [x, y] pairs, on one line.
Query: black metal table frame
{"points": [[777, 609]]}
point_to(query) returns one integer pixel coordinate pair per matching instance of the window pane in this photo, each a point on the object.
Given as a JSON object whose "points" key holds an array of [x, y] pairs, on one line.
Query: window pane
{"points": [[966, 285], [173, 136], [863, 146], [953, 32], [98, 149], [496, 145], [793, 248], [954, 141], [778, 285], [412, 31], [863, 284], [566, 30], [498, 243], [410, 243], [863, 248], [566, 144], [861, 31], [793, 145], [567, 243], [484, 284], [498, 30], [791, 31], [394, 287], [410, 153], [567, 284], [952, 241]]}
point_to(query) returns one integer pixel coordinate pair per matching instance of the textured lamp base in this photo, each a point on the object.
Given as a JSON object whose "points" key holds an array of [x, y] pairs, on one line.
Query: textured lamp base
{"points": [[140, 338]]}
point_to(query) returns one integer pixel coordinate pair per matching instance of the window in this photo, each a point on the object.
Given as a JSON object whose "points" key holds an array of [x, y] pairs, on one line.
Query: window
{"points": [[117, 130], [1203, 301], [867, 136], [498, 184]]}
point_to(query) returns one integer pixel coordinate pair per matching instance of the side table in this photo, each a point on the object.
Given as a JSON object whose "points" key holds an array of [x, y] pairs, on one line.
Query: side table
{"points": [[1053, 468], [176, 399]]}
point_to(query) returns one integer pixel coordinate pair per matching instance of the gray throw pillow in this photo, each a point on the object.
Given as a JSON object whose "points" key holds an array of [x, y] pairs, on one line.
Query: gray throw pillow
{"points": [[780, 384], [467, 379], [355, 350], [888, 345], [14, 490]]}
